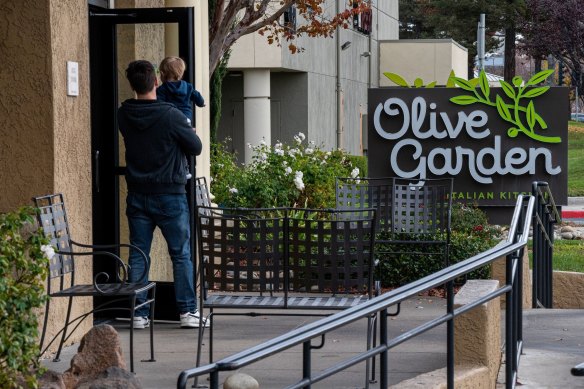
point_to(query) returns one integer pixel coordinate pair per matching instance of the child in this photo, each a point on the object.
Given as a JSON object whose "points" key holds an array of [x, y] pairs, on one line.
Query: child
{"points": [[176, 91]]}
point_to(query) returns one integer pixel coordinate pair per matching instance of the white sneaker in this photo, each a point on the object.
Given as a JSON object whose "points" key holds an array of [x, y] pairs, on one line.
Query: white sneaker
{"points": [[192, 320], [141, 322]]}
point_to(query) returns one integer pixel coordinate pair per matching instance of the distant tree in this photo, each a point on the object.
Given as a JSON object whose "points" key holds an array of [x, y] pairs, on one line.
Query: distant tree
{"points": [[459, 20], [229, 20], [556, 27], [414, 19]]}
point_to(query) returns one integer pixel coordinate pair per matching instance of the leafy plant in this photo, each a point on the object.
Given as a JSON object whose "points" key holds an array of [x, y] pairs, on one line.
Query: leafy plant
{"points": [[24, 254], [523, 118], [282, 176]]}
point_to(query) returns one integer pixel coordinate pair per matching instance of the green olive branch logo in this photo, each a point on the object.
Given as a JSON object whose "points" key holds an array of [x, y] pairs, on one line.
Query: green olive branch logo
{"points": [[418, 82], [523, 118]]}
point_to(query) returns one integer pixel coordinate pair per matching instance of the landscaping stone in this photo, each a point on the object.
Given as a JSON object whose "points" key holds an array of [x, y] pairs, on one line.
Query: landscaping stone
{"points": [[51, 380], [240, 381], [112, 378], [99, 349]]}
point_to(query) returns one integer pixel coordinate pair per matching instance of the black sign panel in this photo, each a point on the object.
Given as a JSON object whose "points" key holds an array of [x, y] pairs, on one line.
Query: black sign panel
{"points": [[494, 144]]}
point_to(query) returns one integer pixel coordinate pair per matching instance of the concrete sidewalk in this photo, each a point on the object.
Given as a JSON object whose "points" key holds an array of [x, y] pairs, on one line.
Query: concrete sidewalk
{"points": [[553, 343]]}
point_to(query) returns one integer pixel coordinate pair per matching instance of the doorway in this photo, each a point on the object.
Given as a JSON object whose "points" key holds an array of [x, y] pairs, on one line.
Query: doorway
{"points": [[117, 37]]}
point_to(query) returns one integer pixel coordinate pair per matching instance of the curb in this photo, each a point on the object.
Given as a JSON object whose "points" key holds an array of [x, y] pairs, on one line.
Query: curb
{"points": [[572, 214]]}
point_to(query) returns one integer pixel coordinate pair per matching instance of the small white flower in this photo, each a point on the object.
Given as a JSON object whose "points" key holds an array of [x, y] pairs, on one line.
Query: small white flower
{"points": [[263, 156], [355, 172], [309, 151], [298, 180], [279, 152], [249, 145], [48, 251], [278, 145], [284, 163], [233, 190], [297, 139], [263, 142], [301, 136], [288, 170]]}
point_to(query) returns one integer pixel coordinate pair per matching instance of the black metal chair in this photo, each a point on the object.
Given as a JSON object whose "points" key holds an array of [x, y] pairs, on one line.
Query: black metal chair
{"points": [[202, 194], [411, 213], [421, 213], [52, 217], [300, 259]]}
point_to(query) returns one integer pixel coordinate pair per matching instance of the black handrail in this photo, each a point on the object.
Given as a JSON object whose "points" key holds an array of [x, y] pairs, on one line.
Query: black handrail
{"points": [[512, 249], [545, 216]]}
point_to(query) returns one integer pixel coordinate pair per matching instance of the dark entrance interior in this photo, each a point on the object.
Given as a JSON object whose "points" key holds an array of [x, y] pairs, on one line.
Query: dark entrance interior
{"points": [[114, 41]]}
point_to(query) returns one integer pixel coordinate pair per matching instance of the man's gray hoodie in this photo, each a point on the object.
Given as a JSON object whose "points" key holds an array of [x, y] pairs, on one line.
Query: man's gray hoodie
{"points": [[157, 137]]}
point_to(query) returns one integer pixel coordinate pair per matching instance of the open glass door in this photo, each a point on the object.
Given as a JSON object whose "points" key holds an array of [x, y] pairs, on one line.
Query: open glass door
{"points": [[117, 37]]}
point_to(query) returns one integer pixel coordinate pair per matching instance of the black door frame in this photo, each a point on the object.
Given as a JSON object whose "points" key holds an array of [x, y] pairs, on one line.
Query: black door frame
{"points": [[106, 169]]}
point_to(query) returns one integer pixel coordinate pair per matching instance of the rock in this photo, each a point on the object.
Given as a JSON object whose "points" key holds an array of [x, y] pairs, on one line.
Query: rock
{"points": [[240, 381], [51, 380], [99, 349], [112, 378], [567, 229], [567, 235]]}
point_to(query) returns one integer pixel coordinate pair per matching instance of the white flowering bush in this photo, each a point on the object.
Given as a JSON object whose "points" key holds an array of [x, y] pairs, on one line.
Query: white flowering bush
{"points": [[298, 175]]}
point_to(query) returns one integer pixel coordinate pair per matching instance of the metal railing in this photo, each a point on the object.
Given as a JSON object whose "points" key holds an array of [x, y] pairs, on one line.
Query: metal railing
{"points": [[512, 249], [545, 216]]}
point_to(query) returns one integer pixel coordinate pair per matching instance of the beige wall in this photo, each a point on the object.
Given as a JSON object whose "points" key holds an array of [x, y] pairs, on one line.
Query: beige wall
{"points": [[45, 134], [26, 103], [254, 51], [429, 59]]}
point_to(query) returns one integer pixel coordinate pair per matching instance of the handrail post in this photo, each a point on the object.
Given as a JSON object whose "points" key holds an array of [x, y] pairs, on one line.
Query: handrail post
{"points": [[450, 336], [214, 377], [509, 384], [384, 357], [306, 362]]}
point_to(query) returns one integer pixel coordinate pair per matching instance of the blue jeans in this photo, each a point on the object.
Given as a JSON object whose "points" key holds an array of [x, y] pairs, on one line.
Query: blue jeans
{"points": [[170, 213]]}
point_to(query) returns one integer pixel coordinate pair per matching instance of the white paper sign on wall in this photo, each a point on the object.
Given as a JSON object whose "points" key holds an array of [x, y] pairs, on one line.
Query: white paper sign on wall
{"points": [[72, 78]]}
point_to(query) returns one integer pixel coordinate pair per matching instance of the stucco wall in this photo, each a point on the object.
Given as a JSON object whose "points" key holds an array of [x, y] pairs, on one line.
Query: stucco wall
{"points": [[26, 109], [45, 134], [71, 129]]}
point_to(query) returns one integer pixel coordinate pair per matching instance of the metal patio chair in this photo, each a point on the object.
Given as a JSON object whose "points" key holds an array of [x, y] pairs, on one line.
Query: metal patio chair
{"points": [[312, 261], [413, 215], [52, 217]]}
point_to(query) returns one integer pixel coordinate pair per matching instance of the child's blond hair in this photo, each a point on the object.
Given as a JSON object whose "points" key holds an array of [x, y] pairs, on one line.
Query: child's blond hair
{"points": [[172, 69]]}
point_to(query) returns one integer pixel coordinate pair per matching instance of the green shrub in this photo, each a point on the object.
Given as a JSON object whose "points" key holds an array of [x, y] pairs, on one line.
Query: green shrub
{"points": [[23, 269], [298, 175]]}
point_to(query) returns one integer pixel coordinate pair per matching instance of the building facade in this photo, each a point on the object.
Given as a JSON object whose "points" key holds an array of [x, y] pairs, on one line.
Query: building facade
{"points": [[271, 94]]}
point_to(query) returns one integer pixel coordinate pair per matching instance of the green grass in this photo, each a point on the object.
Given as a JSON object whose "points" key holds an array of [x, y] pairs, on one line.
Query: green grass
{"points": [[568, 255], [576, 159]]}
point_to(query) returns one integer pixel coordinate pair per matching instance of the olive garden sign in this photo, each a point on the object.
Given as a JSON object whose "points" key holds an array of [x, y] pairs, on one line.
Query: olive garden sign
{"points": [[494, 141]]}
